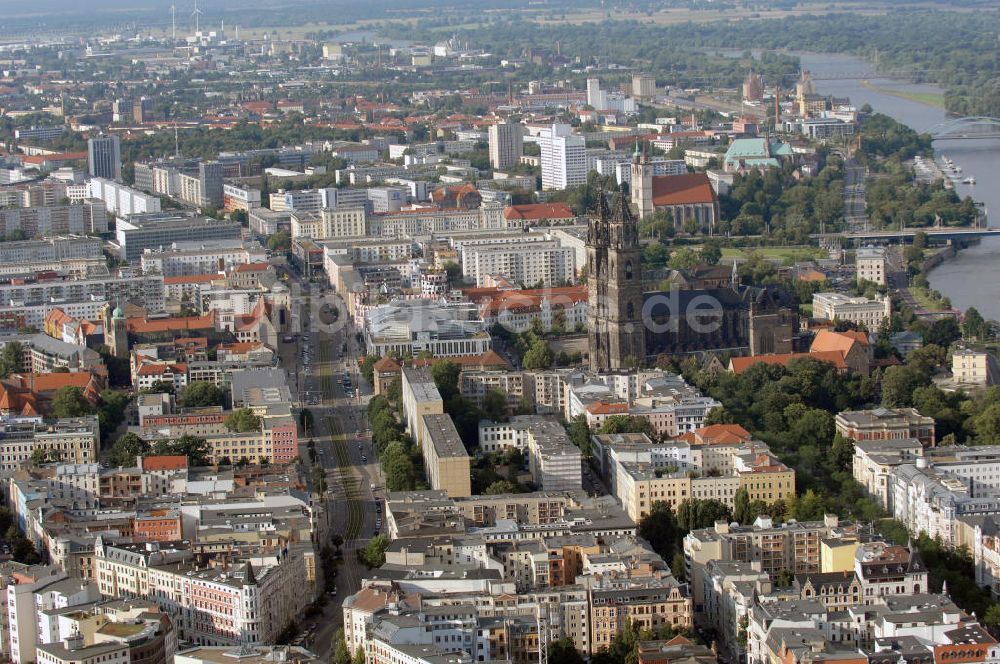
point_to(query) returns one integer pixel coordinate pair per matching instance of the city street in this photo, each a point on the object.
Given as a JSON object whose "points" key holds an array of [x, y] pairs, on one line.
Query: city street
{"points": [[316, 364]]}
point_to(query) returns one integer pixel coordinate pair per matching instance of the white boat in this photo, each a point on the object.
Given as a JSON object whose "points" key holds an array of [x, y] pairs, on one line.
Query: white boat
{"points": [[969, 180]]}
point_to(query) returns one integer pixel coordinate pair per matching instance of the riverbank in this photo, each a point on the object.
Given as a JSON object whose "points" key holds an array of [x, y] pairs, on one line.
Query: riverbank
{"points": [[935, 99]]}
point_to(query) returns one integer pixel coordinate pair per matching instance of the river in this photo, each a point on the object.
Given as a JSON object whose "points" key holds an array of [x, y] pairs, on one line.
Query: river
{"points": [[972, 278]]}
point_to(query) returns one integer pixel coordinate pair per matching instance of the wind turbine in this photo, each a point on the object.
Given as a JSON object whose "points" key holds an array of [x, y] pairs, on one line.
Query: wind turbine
{"points": [[173, 22], [196, 14]]}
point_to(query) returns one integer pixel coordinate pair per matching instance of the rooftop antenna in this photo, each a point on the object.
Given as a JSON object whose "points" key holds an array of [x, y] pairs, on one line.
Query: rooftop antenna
{"points": [[173, 22], [196, 13]]}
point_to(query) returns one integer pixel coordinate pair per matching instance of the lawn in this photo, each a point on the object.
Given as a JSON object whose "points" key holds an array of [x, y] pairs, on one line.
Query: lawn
{"points": [[924, 299], [935, 99], [785, 254]]}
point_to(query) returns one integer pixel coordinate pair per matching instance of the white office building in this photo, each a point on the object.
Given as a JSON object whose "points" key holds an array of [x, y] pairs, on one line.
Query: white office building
{"points": [[563, 157], [860, 310]]}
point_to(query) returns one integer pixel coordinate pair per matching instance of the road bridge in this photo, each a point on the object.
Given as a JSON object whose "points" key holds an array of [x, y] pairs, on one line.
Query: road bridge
{"points": [[978, 127]]}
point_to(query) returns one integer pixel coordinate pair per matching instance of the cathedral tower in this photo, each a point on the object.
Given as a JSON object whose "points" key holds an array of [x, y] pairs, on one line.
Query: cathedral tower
{"points": [[641, 186], [616, 334]]}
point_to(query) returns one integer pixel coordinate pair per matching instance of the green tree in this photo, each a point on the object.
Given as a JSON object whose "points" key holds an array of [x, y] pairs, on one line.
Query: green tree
{"points": [[243, 420], [974, 327], [539, 356], [69, 401], [683, 259], [341, 655], [202, 393], [111, 411], [125, 450], [741, 506], [280, 242], [660, 529], [695, 513], [992, 617], [373, 553], [368, 368], [579, 433], [495, 406], [711, 253], [564, 652], [943, 332], [501, 487], [194, 448], [11, 358], [678, 567], [446, 378], [628, 424]]}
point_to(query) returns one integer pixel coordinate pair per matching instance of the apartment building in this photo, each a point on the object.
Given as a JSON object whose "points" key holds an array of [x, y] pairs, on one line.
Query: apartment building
{"points": [[73, 440], [554, 461], [120, 199], [563, 157], [886, 424], [859, 310], [872, 264], [974, 368], [198, 258], [650, 604], [303, 200], [506, 144], [791, 546], [240, 197], [420, 397], [241, 598], [79, 219], [445, 459], [546, 262]]}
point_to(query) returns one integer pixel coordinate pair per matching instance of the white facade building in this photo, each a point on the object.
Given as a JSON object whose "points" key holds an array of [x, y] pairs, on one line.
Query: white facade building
{"points": [[563, 157]]}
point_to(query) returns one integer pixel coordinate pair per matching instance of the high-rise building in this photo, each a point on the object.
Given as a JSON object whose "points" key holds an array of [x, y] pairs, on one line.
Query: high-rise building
{"points": [[596, 97], [506, 144], [104, 157], [563, 156], [643, 86], [210, 173], [617, 337]]}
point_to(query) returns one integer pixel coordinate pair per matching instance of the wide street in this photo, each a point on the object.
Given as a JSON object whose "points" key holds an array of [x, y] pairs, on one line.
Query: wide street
{"points": [[316, 363]]}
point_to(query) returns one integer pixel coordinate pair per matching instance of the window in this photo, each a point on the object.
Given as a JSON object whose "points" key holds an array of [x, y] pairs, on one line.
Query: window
{"points": [[628, 270]]}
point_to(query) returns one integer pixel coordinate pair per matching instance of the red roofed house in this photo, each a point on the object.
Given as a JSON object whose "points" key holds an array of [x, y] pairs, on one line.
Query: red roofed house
{"points": [[460, 196], [386, 371], [854, 346], [522, 215], [516, 309], [30, 394], [599, 411], [690, 198], [738, 365]]}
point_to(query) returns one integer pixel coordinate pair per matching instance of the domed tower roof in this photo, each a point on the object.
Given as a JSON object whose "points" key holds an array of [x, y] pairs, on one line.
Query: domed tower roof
{"points": [[118, 312]]}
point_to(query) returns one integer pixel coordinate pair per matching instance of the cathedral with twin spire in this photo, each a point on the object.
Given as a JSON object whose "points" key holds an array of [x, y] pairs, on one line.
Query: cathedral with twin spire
{"points": [[629, 325]]}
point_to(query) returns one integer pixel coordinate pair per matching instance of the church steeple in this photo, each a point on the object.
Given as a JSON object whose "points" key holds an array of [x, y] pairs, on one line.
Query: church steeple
{"points": [[614, 287]]}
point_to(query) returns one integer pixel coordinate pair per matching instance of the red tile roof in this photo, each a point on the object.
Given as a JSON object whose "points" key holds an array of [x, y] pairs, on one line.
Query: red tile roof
{"points": [[252, 267], [537, 211], [841, 342], [741, 364], [386, 365], [142, 326], [531, 300], [601, 408], [688, 189], [165, 462]]}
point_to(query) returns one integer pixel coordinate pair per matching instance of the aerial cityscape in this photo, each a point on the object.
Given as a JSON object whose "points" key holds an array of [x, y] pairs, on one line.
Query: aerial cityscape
{"points": [[503, 331]]}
